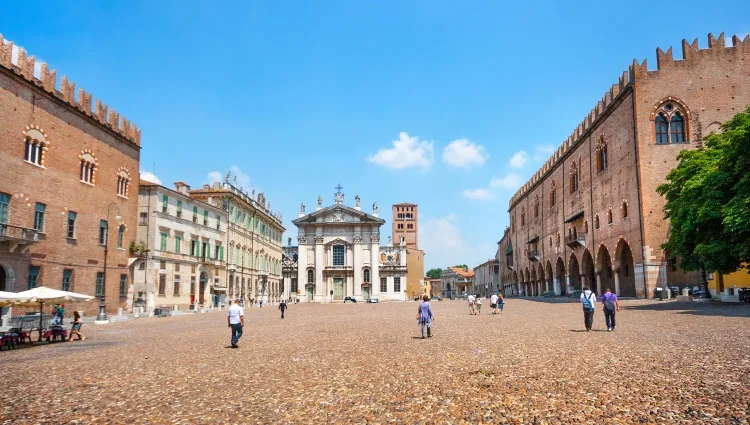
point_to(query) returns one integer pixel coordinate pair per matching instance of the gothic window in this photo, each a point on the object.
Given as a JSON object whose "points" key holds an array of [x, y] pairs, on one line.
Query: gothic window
{"points": [[670, 122], [35, 146], [624, 208], [121, 236], [596, 222], [536, 207], [601, 155], [574, 178], [609, 216], [523, 216], [585, 226], [552, 195], [558, 238], [123, 183], [550, 241], [88, 167]]}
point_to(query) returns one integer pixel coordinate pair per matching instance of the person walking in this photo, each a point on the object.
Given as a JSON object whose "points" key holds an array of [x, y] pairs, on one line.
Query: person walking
{"points": [[500, 302], [424, 316], [282, 307], [478, 305], [76, 329], [493, 303], [588, 300], [236, 321], [471, 299], [611, 305]]}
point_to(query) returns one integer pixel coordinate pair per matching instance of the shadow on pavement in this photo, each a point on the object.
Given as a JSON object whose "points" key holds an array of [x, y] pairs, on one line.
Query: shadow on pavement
{"points": [[698, 308]]}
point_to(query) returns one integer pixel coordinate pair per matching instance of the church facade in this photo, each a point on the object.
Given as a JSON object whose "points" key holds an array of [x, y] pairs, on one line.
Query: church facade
{"points": [[339, 256]]}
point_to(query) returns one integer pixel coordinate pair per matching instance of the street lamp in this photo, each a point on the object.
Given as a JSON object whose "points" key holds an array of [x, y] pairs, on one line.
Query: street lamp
{"points": [[102, 316]]}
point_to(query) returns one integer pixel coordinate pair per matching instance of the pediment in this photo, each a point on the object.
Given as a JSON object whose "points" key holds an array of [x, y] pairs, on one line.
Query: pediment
{"points": [[339, 214], [338, 241]]}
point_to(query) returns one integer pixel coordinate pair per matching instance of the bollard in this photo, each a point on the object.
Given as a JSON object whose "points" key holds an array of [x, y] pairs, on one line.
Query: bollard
{"points": [[119, 312]]}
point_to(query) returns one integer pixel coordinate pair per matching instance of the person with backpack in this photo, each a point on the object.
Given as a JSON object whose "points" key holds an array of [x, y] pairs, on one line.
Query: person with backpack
{"points": [[425, 317], [611, 305], [588, 299]]}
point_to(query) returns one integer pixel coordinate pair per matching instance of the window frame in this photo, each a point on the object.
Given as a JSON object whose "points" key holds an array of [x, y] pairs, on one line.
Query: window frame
{"points": [[123, 285], [5, 207], [99, 287], [33, 280], [341, 255], [67, 280], [71, 225], [39, 217], [384, 284], [103, 232]]}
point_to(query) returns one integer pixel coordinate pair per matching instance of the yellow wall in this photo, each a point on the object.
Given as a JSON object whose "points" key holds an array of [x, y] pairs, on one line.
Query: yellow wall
{"points": [[739, 279], [414, 272]]}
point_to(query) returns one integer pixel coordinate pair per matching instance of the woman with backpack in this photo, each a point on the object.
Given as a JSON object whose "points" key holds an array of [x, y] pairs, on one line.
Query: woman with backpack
{"points": [[588, 300], [611, 305]]}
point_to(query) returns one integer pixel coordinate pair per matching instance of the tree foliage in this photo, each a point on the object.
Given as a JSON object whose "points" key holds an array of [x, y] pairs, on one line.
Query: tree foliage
{"points": [[434, 273], [708, 201], [461, 266]]}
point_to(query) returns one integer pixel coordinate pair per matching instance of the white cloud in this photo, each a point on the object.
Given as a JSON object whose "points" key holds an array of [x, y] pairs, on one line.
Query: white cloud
{"points": [[150, 177], [546, 149], [519, 159], [446, 245], [509, 181], [237, 177], [407, 152], [463, 153], [478, 194]]}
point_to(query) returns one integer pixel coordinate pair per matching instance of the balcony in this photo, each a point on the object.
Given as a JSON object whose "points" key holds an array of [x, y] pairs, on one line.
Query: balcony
{"points": [[17, 236], [533, 255], [575, 240]]}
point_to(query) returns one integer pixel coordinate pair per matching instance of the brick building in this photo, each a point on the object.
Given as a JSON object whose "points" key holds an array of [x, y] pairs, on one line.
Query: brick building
{"points": [[406, 228], [68, 172], [591, 215]]}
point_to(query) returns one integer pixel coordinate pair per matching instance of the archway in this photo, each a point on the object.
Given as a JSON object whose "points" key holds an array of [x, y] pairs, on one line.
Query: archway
{"points": [[625, 272], [604, 271], [560, 277], [516, 284], [574, 273], [549, 279], [588, 275], [448, 291], [541, 279], [202, 286], [533, 282]]}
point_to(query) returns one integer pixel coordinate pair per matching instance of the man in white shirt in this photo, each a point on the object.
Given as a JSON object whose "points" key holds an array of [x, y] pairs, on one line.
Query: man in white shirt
{"points": [[588, 300], [493, 303], [236, 321], [471, 300]]}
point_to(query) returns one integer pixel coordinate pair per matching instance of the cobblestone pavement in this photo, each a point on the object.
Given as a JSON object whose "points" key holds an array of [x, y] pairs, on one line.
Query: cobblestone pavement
{"points": [[666, 363]]}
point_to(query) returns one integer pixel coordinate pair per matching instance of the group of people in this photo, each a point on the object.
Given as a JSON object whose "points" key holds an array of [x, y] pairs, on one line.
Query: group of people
{"points": [[610, 307], [58, 315], [496, 304]]}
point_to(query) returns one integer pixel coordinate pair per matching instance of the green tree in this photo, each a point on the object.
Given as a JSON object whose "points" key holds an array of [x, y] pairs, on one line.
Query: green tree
{"points": [[461, 266], [434, 273], [708, 201]]}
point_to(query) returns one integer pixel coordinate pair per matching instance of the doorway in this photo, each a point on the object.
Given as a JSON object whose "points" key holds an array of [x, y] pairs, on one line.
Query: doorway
{"points": [[309, 293], [338, 288], [366, 293], [201, 294]]}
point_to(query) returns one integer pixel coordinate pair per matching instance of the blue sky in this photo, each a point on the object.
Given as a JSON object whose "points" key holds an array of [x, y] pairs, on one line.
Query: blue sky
{"points": [[299, 96]]}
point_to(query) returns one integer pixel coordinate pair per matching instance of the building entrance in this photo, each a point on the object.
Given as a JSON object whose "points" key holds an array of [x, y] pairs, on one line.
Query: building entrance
{"points": [[338, 288]]}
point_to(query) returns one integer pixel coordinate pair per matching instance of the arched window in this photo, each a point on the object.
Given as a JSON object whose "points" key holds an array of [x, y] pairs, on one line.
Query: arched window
{"points": [[310, 276], [662, 134], [585, 226], [120, 236], [609, 216], [601, 155], [624, 208], [558, 238], [123, 182], [88, 167], [523, 216], [677, 128], [670, 122], [550, 241], [574, 178], [536, 207], [35, 145], [366, 275], [596, 222], [552, 195]]}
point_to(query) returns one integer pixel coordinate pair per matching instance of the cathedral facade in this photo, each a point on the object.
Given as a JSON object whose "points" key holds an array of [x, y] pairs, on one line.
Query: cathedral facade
{"points": [[339, 256]]}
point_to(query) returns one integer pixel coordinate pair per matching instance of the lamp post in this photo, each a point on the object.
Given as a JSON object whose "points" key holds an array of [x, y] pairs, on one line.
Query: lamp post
{"points": [[102, 316]]}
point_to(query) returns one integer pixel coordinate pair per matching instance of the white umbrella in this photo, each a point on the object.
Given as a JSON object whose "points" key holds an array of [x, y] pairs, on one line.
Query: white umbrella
{"points": [[9, 298], [41, 295]]}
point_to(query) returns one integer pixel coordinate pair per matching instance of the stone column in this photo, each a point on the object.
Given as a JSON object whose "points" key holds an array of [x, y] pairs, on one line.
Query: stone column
{"points": [[583, 281], [375, 265], [598, 283], [556, 285], [302, 268], [567, 283], [616, 273], [320, 285], [357, 266]]}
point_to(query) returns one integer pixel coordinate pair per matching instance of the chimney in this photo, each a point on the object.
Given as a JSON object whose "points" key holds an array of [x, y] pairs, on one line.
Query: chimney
{"points": [[182, 187]]}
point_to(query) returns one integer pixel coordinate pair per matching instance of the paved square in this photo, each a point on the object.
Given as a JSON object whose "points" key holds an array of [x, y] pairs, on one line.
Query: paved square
{"points": [[667, 363]]}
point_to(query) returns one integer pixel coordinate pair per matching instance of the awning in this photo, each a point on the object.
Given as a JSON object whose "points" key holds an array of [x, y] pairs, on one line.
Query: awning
{"points": [[574, 216], [218, 289], [509, 249], [534, 239]]}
